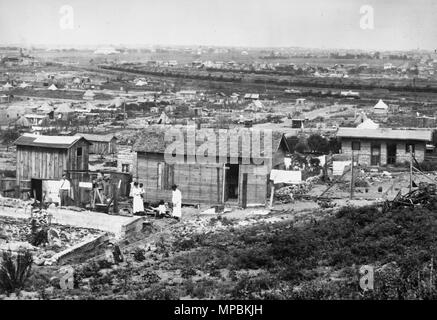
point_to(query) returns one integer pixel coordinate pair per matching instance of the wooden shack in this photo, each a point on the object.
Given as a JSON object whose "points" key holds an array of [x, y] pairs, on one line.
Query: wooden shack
{"points": [[101, 144], [49, 157], [239, 172]]}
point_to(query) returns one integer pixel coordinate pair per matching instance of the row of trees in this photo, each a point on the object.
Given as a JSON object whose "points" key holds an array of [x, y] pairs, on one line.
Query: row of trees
{"points": [[315, 143]]}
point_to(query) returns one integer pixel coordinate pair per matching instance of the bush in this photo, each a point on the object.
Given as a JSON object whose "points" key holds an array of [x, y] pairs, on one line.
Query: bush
{"points": [[139, 254], [428, 166], [317, 143], [13, 274], [157, 292]]}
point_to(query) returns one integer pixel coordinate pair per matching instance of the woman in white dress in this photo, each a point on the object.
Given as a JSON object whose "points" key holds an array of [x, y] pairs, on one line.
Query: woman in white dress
{"points": [[177, 202], [138, 204]]}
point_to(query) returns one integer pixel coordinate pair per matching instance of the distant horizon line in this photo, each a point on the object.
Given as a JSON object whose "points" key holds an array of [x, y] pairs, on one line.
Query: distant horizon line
{"points": [[193, 46]]}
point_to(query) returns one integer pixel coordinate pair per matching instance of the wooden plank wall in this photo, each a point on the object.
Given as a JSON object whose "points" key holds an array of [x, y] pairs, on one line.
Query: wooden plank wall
{"points": [[81, 196], [42, 163], [198, 183], [78, 163], [256, 193], [99, 147]]}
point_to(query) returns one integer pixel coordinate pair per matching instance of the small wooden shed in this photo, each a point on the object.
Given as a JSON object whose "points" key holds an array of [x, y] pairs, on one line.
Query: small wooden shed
{"points": [[101, 144], [49, 157]]}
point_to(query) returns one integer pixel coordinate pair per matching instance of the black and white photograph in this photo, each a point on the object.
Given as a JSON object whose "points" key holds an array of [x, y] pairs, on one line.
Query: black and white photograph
{"points": [[218, 150]]}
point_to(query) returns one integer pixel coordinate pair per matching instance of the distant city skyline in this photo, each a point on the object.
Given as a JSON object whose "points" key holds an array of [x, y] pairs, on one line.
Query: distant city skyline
{"points": [[319, 24]]}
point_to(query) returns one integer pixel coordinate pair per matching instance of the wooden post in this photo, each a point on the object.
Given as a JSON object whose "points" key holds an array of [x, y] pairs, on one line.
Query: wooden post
{"points": [[115, 198], [224, 182], [411, 168], [272, 193], [17, 191], [124, 114], [244, 190], [352, 176]]}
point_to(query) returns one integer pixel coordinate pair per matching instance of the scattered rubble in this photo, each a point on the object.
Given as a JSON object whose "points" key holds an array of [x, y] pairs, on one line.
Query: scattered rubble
{"points": [[425, 196], [17, 234]]}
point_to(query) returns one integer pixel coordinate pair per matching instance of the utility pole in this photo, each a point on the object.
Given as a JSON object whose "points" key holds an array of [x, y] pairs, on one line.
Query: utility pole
{"points": [[352, 176], [124, 114]]}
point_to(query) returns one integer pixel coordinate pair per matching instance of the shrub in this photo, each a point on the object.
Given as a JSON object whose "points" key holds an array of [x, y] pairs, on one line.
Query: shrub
{"points": [[13, 274], [157, 292], [150, 277], [139, 254], [428, 166]]}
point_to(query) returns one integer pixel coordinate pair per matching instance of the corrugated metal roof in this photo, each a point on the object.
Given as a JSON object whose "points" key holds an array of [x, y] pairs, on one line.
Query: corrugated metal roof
{"points": [[58, 142], [385, 133]]}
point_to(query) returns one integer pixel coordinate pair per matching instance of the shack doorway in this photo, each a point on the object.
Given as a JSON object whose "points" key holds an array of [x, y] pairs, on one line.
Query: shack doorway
{"points": [[375, 158], [231, 182], [36, 189], [391, 153]]}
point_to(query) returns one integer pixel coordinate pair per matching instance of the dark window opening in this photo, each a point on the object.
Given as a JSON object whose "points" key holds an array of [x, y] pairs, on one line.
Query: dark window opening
{"points": [[356, 145], [410, 146], [79, 152]]}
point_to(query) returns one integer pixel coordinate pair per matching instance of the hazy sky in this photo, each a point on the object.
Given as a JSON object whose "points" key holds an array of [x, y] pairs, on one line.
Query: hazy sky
{"points": [[398, 24]]}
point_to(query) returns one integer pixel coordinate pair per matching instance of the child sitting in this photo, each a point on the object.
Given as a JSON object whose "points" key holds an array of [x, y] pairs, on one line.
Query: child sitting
{"points": [[161, 209]]}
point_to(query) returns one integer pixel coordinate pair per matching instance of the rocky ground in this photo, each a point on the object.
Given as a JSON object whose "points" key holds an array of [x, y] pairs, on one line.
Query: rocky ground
{"points": [[14, 234], [171, 259], [238, 254]]}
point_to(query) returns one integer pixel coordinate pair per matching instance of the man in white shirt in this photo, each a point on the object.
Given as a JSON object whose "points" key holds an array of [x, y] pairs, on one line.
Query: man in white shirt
{"points": [[64, 191]]}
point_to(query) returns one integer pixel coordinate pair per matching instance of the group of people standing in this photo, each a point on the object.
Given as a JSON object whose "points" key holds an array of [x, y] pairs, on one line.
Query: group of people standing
{"points": [[138, 191]]}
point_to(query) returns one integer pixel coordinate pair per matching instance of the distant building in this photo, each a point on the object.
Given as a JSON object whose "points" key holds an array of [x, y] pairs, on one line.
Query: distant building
{"points": [[297, 123], [106, 51], [350, 93], [251, 96], [255, 106], [89, 95], [383, 146], [300, 101], [187, 94], [380, 107]]}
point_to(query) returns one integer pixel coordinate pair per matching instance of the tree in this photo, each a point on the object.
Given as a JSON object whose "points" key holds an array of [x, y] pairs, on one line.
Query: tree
{"points": [[334, 145], [318, 144], [301, 147], [9, 135]]}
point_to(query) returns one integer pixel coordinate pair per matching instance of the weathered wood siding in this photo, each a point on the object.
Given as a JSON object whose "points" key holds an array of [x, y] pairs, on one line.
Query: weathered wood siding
{"points": [[50, 163], [199, 183], [75, 162], [99, 147], [40, 163], [257, 182]]}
